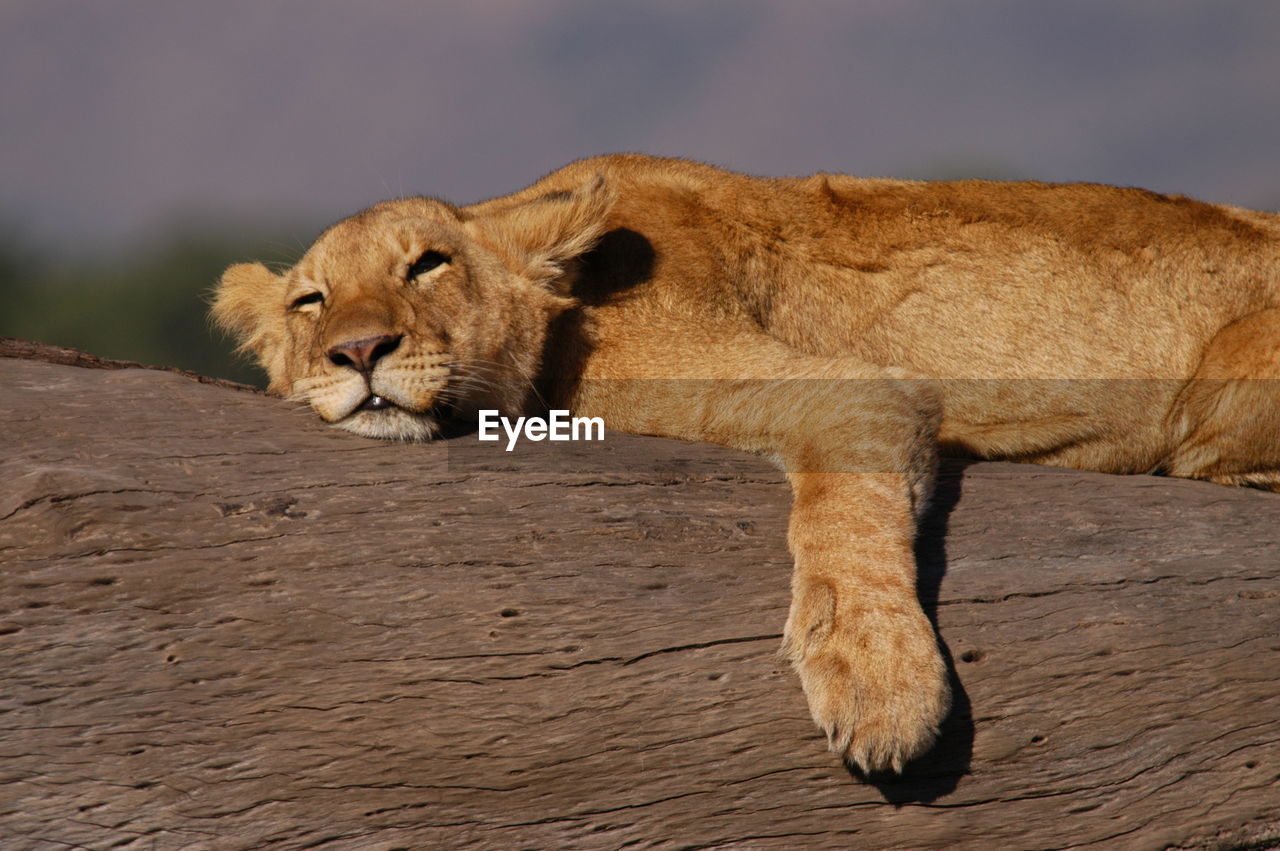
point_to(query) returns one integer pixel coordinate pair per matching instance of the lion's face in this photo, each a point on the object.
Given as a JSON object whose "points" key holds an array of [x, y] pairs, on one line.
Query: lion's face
{"points": [[413, 313]]}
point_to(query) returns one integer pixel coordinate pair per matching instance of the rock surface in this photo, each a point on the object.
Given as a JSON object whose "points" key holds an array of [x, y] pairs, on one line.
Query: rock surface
{"points": [[225, 625]]}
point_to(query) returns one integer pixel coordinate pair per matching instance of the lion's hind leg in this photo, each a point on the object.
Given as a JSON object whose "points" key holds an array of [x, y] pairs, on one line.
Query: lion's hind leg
{"points": [[1228, 415]]}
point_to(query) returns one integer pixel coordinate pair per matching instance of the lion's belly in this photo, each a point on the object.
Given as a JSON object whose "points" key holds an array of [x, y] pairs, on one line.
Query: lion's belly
{"points": [[948, 321], [1111, 425], [1063, 372]]}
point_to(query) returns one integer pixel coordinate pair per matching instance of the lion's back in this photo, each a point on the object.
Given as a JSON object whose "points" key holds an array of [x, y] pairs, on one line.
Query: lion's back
{"points": [[968, 277]]}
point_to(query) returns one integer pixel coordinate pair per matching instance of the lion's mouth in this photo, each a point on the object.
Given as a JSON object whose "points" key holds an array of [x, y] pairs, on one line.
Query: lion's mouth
{"points": [[440, 411], [376, 403], [394, 417]]}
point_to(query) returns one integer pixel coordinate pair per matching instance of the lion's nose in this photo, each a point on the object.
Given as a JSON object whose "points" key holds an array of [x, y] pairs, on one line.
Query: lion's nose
{"points": [[361, 355]]}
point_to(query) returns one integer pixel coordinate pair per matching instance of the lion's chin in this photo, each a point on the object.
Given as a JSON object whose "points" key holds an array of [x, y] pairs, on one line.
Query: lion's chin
{"points": [[393, 423]]}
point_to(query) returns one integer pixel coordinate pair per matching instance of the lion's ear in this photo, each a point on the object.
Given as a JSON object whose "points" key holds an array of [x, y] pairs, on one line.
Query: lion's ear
{"points": [[242, 300], [537, 237]]}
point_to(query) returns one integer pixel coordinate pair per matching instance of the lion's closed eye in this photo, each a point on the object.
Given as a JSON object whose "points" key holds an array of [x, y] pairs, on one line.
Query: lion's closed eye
{"points": [[307, 298], [428, 262]]}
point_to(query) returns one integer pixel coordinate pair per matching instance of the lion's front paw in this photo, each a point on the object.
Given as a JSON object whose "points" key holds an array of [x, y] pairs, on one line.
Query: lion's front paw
{"points": [[876, 685]]}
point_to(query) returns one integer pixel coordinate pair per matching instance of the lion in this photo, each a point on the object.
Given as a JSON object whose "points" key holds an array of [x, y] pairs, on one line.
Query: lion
{"points": [[850, 329]]}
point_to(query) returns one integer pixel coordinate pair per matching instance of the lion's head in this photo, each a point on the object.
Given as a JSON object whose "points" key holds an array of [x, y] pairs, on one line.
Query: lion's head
{"points": [[414, 312]]}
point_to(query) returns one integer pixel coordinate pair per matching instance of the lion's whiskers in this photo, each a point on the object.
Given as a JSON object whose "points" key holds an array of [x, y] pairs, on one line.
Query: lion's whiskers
{"points": [[480, 364]]}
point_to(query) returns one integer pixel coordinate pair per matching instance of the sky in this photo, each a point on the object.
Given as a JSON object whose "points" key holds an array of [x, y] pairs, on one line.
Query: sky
{"points": [[122, 121]]}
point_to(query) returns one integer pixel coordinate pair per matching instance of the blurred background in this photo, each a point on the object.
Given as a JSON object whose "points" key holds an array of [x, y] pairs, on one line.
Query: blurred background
{"points": [[146, 144]]}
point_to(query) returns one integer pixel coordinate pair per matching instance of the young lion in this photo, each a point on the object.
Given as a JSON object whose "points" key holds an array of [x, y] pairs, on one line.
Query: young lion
{"points": [[1086, 326]]}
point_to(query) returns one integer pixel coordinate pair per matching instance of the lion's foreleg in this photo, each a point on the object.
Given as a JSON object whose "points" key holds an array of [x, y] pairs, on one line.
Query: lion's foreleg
{"points": [[861, 465], [859, 446]]}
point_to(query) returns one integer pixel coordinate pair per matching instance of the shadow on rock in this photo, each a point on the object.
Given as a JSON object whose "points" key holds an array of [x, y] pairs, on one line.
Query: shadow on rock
{"points": [[938, 772]]}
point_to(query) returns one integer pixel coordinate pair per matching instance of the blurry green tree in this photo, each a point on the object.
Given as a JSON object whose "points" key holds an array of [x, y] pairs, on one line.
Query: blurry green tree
{"points": [[149, 306]]}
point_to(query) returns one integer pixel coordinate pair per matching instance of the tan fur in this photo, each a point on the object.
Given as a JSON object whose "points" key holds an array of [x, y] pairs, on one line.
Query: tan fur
{"points": [[847, 328]]}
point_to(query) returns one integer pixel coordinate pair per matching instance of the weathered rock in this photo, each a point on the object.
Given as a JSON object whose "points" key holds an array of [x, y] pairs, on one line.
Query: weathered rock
{"points": [[226, 625]]}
